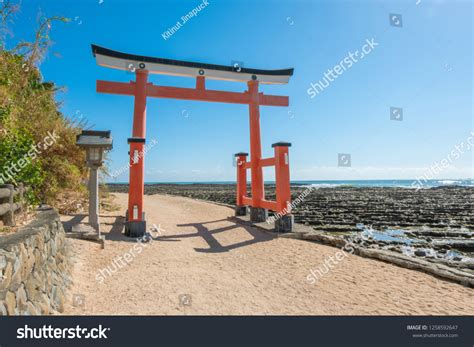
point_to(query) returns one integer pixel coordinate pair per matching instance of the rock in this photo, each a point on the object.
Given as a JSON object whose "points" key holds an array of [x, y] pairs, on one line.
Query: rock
{"points": [[34, 295], [40, 242], [34, 286], [21, 298], [420, 253], [3, 262], [34, 268], [57, 299], [44, 306], [23, 254], [47, 235], [31, 310], [12, 248], [48, 282], [28, 264], [10, 301], [50, 263], [393, 248], [57, 281], [16, 277], [3, 309], [38, 259], [53, 248], [7, 277], [59, 258]]}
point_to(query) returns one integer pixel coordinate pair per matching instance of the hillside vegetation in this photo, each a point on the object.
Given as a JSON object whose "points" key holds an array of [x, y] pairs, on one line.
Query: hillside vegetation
{"points": [[37, 141]]}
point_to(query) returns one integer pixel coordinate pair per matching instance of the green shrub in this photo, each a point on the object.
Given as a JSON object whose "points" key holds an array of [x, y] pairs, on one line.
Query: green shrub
{"points": [[28, 112], [18, 165]]}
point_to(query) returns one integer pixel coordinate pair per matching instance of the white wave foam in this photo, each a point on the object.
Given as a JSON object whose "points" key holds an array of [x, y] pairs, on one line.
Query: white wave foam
{"points": [[326, 185], [447, 182]]}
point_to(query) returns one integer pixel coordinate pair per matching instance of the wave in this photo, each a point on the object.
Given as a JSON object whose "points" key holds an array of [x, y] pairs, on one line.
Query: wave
{"points": [[407, 184], [327, 185], [450, 182]]}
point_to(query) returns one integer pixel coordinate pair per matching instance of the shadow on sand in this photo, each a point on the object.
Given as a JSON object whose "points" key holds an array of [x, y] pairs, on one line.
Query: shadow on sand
{"points": [[207, 233], [77, 219], [113, 228]]}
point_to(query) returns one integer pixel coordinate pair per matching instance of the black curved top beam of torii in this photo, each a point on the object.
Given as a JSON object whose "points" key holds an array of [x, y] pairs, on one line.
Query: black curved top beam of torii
{"points": [[124, 61]]}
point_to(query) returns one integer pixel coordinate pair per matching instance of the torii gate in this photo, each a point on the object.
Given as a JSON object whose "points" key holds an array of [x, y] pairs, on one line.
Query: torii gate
{"points": [[141, 89]]}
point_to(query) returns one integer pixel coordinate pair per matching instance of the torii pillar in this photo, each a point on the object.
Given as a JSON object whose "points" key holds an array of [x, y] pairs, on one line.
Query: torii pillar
{"points": [[257, 212], [136, 224]]}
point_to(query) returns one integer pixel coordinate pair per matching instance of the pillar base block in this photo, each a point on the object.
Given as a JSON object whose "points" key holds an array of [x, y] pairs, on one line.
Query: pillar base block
{"points": [[136, 228], [96, 227], [284, 224], [258, 214], [240, 210]]}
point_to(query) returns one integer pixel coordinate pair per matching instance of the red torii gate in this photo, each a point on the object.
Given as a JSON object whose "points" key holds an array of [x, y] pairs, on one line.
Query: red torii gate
{"points": [[141, 89]]}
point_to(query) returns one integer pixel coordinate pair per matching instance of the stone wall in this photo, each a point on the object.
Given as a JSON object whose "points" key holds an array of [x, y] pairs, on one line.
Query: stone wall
{"points": [[34, 269]]}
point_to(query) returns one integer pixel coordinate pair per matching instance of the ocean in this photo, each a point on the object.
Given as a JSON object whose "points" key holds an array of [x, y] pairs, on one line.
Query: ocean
{"points": [[353, 183], [390, 183]]}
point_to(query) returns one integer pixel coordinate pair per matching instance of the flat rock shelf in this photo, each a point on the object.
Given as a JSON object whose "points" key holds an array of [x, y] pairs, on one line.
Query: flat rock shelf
{"points": [[341, 208]]}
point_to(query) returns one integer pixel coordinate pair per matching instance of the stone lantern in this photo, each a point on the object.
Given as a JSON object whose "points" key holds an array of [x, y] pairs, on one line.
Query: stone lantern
{"points": [[95, 143]]}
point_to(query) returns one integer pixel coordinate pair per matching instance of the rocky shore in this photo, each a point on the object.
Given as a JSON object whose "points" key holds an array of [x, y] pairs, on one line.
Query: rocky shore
{"points": [[436, 224]]}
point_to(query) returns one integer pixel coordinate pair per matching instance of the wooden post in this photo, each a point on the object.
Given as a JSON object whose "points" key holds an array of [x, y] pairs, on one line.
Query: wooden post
{"points": [[285, 220], [94, 198], [255, 145], [257, 212], [282, 176], [9, 217], [136, 224], [241, 191], [21, 193]]}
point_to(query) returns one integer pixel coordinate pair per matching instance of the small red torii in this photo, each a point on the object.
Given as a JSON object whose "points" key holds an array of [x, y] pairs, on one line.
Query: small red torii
{"points": [[141, 89]]}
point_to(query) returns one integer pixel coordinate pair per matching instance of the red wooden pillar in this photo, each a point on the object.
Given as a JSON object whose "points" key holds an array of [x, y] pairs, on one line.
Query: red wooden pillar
{"points": [[240, 208], [136, 186], [284, 219], [255, 145], [139, 111], [136, 224], [282, 176]]}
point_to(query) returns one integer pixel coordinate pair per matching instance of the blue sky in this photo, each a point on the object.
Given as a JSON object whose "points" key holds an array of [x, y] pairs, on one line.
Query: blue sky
{"points": [[424, 67]]}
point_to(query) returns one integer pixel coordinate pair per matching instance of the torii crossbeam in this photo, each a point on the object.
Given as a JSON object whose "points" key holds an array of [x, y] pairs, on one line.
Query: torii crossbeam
{"points": [[142, 66]]}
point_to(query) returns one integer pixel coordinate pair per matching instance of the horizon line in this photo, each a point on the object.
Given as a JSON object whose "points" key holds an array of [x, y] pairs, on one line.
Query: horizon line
{"points": [[318, 180]]}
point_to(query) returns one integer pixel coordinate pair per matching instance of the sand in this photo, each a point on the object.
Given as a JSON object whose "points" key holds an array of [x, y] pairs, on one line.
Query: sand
{"points": [[205, 264]]}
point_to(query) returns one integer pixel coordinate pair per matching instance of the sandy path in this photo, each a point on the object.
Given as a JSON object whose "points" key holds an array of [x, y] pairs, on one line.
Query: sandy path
{"points": [[226, 269]]}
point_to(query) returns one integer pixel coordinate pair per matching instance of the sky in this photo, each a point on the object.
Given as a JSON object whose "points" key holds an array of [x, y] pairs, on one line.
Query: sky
{"points": [[420, 61]]}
